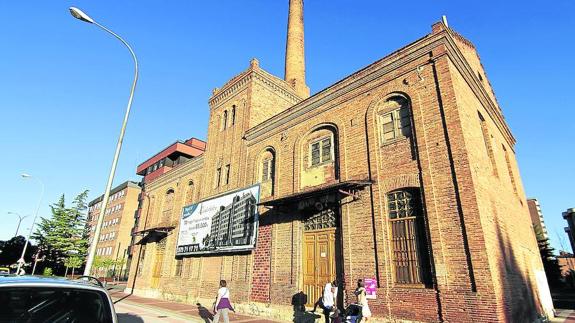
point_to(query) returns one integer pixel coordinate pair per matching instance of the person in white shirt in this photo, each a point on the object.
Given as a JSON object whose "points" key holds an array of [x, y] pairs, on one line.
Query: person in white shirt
{"points": [[222, 306], [329, 298]]}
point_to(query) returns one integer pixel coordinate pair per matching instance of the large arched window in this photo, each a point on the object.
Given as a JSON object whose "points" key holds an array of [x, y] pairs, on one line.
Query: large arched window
{"points": [[190, 192], [408, 237], [168, 206], [266, 172], [394, 119], [319, 156]]}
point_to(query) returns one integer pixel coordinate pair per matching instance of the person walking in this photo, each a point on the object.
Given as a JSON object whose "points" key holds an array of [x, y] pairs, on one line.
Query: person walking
{"points": [[328, 299], [362, 300], [222, 306]]}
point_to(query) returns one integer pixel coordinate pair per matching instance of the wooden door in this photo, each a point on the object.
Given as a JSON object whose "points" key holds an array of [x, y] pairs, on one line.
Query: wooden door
{"points": [[158, 261], [319, 262]]}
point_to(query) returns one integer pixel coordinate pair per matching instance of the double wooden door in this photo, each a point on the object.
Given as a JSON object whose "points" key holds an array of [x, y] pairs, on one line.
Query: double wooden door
{"points": [[319, 262]]}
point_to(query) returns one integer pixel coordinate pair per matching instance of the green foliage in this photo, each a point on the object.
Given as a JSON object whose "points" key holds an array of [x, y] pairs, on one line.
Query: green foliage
{"points": [[73, 262], [11, 250], [550, 263], [47, 271], [64, 233]]}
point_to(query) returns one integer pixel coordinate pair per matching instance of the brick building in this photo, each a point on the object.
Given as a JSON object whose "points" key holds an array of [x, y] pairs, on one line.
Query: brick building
{"points": [[115, 235], [537, 217], [403, 172], [569, 216]]}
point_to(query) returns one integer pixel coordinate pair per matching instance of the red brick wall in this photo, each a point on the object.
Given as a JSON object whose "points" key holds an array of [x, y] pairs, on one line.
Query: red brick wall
{"points": [[260, 285]]}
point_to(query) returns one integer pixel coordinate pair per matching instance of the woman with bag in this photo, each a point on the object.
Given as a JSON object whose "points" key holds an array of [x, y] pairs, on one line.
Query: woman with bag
{"points": [[222, 306]]}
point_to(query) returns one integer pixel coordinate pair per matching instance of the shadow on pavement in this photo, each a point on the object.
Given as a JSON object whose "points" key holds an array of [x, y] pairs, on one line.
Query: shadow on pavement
{"points": [[123, 298], [129, 318], [204, 313]]}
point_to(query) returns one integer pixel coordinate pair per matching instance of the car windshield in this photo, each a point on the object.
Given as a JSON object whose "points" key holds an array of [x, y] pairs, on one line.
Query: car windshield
{"points": [[45, 304]]}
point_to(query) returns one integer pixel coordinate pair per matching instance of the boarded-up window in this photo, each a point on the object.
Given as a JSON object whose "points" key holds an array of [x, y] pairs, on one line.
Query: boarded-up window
{"points": [[409, 246], [267, 169], [227, 175], [487, 142], [178, 272], [225, 120], [218, 176]]}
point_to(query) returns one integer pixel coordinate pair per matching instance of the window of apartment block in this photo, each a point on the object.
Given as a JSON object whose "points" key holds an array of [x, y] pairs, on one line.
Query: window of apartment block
{"points": [[408, 238], [321, 151], [394, 120]]}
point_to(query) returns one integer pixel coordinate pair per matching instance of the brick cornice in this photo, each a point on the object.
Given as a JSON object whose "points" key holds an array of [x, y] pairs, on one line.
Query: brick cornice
{"points": [[241, 81], [391, 62]]}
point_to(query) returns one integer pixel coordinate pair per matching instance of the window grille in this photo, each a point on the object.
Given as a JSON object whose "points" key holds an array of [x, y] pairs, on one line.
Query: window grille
{"points": [[409, 246]]}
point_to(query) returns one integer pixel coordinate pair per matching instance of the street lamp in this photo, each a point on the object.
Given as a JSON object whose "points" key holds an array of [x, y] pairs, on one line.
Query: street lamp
{"points": [[19, 221], [79, 14], [21, 261]]}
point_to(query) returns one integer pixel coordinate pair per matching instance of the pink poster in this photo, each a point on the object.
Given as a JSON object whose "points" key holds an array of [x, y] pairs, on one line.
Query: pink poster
{"points": [[370, 287]]}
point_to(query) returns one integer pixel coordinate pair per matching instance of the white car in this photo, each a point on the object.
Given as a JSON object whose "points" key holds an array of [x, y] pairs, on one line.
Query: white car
{"points": [[54, 300]]}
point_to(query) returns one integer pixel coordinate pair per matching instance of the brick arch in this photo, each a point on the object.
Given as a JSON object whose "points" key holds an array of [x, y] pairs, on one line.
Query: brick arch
{"points": [[267, 185], [398, 182]]}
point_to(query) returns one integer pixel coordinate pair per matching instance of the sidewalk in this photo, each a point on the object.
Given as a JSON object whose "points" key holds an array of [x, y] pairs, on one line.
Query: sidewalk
{"points": [[193, 313]]}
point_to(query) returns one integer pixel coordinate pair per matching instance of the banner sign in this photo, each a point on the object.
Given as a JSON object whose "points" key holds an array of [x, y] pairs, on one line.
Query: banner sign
{"points": [[370, 288], [225, 223]]}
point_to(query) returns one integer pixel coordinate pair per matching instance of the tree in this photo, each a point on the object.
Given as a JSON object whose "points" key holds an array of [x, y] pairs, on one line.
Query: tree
{"points": [[11, 250], [550, 263], [64, 233], [73, 262]]}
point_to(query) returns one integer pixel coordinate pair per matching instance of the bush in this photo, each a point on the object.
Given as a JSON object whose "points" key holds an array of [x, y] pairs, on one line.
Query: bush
{"points": [[47, 272]]}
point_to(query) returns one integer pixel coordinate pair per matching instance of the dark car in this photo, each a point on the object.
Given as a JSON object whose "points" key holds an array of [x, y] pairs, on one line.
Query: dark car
{"points": [[54, 300]]}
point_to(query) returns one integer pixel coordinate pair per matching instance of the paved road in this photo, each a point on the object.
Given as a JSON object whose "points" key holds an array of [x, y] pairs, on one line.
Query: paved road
{"points": [[128, 313]]}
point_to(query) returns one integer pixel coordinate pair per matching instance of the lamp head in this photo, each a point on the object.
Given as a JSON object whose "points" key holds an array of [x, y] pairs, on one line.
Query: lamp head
{"points": [[26, 175], [79, 14]]}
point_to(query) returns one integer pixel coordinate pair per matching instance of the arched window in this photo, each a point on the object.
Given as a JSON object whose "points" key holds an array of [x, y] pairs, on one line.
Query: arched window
{"points": [[319, 156], [266, 172], [233, 121], [394, 120], [408, 237], [168, 206], [190, 192]]}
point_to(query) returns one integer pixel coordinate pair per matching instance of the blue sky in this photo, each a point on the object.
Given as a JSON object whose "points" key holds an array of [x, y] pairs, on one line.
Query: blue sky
{"points": [[64, 84]]}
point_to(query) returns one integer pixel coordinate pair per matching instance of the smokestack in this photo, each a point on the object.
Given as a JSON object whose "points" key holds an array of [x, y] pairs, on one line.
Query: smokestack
{"points": [[295, 58]]}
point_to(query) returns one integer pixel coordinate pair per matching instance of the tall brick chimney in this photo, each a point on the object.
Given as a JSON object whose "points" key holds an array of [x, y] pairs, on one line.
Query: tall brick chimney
{"points": [[295, 58]]}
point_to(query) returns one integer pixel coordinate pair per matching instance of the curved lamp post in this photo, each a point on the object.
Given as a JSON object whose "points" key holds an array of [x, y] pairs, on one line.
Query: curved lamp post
{"points": [[77, 13], [19, 221], [21, 261]]}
